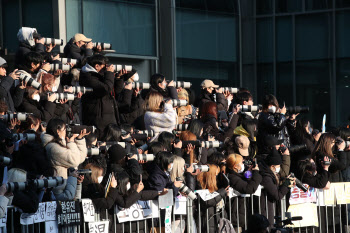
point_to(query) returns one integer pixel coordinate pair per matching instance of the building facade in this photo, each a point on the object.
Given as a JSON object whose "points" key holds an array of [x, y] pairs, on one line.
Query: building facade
{"points": [[295, 49]]}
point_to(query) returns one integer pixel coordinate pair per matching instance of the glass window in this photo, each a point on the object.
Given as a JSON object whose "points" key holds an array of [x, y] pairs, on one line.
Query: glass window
{"points": [[343, 91], [264, 7], [128, 25], [264, 37], [283, 6], [342, 3], [313, 89], [284, 38], [73, 18], [312, 36], [227, 6], [318, 4], [284, 83], [343, 34], [10, 17], [265, 81]]}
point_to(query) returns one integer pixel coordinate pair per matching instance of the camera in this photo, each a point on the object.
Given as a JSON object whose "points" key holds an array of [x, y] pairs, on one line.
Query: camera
{"points": [[181, 127], [186, 190], [139, 136], [4, 161], [62, 96], [205, 144], [232, 90], [63, 67], [141, 85], [77, 89], [103, 149], [297, 109], [69, 60], [251, 108], [29, 80], [104, 46], [80, 171], [280, 225], [53, 41], [178, 84], [149, 133], [76, 129], [20, 116], [202, 168], [297, 148], [178, 103], [118, 68], [298, 183], [144, 157], [23, 136], [50, 182]]}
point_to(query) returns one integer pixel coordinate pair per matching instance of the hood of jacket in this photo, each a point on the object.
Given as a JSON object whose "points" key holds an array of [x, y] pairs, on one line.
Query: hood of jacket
{"points": [[88, 68], [47, 138], [25, 35]]}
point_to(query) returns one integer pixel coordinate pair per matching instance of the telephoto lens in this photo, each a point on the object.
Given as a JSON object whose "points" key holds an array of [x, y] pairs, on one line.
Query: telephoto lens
{"points": [[53, 41], [93, 151], [139, 137], [251, 108], [202, 168], [141, 85], [23, 136], [5, 160], [186, 190], [298, 109], [118, 68], [63, 96], [76, 89], [178, 84], [232, 90], [347, 144], [50, 182], [103, 149], [179, 103], [145, 157], [149, 133], [29, 80], [63, 67], [181, 127], [205, 144], [16, 186], [20, 116], [104, 46], [76, 129], [298, 183], [297, 148], [69, 60]]}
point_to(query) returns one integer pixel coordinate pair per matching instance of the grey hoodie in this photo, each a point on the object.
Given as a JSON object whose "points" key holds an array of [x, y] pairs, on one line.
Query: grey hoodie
{"points": [[25, 35]]}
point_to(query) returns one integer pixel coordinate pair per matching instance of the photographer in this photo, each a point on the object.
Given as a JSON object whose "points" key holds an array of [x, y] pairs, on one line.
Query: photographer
{"points": [[99, 108], [235, 173], [209, 118], [275, 188], [160, 116], [33, 65], [14, 99], [159, 84], [272, 121], [309, 174], [62, 151], [79, 47], [170, 143], [29, 41], [207, 95], [191, 153], [248, 128]]}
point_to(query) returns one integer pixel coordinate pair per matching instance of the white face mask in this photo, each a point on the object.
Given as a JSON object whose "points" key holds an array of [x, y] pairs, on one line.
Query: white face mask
{"points": [[128, 186], [54, 89], [36, 97], [272, 109], [136, 77], [277, 170], [242, 168], [171, 167], [99, 179]]}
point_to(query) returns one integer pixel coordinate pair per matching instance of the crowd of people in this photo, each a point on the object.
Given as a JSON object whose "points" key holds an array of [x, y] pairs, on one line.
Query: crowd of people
{"points": [[253, 145]]}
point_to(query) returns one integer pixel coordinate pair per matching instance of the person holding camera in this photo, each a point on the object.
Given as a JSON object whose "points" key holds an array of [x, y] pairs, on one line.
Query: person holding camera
{"points": [[160, 115], [238, 181], [62, 151], [309, 174], [159, 84], [272, 121], [275, 187], [12, 96], [209, 117]]}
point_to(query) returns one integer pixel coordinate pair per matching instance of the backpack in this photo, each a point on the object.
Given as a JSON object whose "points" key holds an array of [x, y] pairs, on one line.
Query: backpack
{"points": [[225, 226]]}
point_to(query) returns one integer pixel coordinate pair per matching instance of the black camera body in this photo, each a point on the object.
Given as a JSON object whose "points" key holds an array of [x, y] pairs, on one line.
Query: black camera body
{"points": [[280, 225], [299, 184]]}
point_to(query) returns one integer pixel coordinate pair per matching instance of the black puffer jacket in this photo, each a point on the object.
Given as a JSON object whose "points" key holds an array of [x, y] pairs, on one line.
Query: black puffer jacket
{"points": [[24, 48], [71, 50], [12, 100], [276, 125], [44, 110], [205, 97]]}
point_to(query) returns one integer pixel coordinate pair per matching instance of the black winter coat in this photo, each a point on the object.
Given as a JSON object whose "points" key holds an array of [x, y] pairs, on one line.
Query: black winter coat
{"points": [[319, 181], [244, 186], [26, 48], [205, 97], [339, 163], [71, 50], [12, 100], [44, 110], [273, 125], [272, 193]]}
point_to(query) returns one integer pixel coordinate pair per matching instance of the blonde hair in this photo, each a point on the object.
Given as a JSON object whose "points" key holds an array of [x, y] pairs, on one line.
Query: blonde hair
{"points": [[178, 168], [189, 136], [153, 102], [95, 172], [183, 110], [183, 95], [207, 180], [16, 175], [232, 160]]}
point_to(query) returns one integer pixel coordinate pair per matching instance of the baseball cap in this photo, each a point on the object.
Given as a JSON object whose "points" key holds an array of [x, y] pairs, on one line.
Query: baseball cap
{"points": [[243, 144], [208, 83], [2, 61], [81, 37], [272, 141]]}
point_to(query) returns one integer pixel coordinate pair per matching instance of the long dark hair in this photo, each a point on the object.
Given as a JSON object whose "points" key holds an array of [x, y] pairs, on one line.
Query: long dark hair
{"points": [[269, 100], [344, 133], [167, 139], [196, 127], [163, 160], [122, 179], [112, 133], [155, 80], [52, 126], [210, 108], [300, 132], [324, 145]]}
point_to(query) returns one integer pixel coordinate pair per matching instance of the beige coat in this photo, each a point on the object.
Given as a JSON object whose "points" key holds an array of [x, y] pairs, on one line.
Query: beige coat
{"points": [[62, 157]]}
